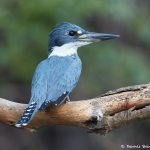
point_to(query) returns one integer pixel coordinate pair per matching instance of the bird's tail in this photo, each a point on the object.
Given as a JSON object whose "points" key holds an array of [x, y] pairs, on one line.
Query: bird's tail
{"points": [[27, 115]]}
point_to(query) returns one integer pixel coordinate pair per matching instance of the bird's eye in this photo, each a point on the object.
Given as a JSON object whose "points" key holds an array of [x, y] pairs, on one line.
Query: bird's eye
{"points": [[72, 33]]}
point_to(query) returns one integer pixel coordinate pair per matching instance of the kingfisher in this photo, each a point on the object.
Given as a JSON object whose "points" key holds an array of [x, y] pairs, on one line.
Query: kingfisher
{"points": [[56, 76]]}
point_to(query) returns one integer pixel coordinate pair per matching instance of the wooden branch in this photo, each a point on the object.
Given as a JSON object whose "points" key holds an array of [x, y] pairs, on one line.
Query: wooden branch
{"points": [[100, 115]]}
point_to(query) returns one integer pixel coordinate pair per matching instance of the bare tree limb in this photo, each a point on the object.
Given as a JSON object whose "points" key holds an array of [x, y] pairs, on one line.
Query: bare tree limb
{"points": [[100, 115]]}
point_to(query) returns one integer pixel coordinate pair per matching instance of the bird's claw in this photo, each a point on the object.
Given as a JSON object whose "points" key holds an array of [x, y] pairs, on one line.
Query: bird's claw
{"points": [[67, 99]]}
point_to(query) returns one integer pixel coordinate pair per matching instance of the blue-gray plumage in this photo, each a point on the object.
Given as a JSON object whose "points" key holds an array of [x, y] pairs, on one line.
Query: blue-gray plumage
{"points": [[56, 77]]}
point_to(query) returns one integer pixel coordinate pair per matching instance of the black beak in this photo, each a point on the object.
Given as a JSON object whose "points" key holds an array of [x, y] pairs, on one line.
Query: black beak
{"points": [[96, 37]]}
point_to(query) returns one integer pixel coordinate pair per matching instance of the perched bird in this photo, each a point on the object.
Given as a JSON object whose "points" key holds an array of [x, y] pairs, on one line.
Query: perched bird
{"points": [[56, 77]]}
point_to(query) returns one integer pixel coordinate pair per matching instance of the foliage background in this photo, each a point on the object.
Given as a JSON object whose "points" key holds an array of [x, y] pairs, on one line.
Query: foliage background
{"points": [[24, 27]]}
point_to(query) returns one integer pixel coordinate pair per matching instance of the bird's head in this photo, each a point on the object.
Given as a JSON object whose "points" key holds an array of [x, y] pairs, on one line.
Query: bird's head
{"points": [[65, 38]]}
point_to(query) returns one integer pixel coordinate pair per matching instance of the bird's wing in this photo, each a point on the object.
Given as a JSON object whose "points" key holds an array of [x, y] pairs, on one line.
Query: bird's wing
{"points": [[39, 84], [53, 81]]}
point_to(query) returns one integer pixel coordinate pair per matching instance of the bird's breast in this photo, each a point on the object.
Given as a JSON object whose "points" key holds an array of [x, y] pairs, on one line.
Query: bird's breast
{"points": [[67, 71]]}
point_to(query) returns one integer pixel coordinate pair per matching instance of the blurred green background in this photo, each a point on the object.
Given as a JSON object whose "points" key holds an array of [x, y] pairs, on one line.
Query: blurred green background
{"points": [[24, 27]]}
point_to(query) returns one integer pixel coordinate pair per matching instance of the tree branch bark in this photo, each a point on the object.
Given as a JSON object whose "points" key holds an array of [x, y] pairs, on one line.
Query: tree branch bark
{"points": [[101, 115]]}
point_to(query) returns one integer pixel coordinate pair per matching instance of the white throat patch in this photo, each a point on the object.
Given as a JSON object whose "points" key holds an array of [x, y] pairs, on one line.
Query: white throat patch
{"points": [[67, 49]]}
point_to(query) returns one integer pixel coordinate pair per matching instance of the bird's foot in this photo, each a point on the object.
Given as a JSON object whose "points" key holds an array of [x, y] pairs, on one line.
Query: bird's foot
{"points": [[67, 99]]}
